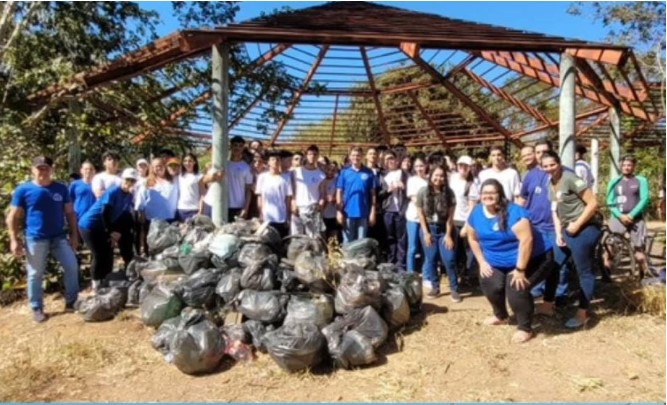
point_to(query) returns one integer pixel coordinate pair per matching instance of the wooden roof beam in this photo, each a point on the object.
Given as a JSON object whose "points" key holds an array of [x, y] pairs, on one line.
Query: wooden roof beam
{"points": [[427, 117], [411, 49], [599, 120], [507, 97], [376, 98], [333, 125], [616, 57], [555, 124], [297, 96]]}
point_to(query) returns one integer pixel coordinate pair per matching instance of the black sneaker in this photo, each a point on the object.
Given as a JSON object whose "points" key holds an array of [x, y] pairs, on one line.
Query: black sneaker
{"points": [[69, 308], [455, 296], [433, 293], [38, 315]]}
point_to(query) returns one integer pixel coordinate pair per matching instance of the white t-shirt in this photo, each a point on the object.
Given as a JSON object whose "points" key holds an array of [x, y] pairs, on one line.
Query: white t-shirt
{"points": [[273, 189], [238, 175], [159, 201], [307, 184], [583, 170], [104, 181], [463, 204], [330, 208], [188, 191], [415, 183], [508, 178], [392, 178]]}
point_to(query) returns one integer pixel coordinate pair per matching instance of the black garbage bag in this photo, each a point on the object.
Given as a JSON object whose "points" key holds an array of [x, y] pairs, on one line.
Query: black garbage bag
{"points": [[348, 349], [241, 227], [411, 283], [150, 271], [133, 293], [229, 286], [395, 307], [144, 290], [194, 260], [198, 229], [302, 243], [362, 248], [257, 330], [265, 306], [313, 270], [103, 306], [161, 235], [365, 320], [358, 289], [306, 308], [160, 304], [296, 347], [198, 290], [224, 246], [225, 264], [254, 253], [171, 252], [165, 332], [289, 282], [196, 346], [133, 270], [260, 276]]}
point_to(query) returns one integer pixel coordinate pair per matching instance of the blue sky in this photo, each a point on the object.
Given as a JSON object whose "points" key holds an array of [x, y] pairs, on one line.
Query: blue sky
{"points": [[538, 16]]}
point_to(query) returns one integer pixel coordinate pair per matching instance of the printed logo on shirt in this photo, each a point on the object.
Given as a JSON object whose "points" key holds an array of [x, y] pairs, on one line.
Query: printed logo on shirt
{"points": [[621, 199], [57, 197], [364, 176], [495, 227], [579, 182], [538, 190]]}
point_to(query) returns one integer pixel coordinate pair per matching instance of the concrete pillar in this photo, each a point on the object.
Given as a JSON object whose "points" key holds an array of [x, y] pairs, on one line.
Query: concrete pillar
{"points": [[566, 124], [220, 141], [614, 142], [595, 162]]}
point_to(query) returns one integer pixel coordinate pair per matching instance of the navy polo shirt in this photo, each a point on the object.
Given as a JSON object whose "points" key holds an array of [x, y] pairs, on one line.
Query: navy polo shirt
{"points": [[356, 186]]}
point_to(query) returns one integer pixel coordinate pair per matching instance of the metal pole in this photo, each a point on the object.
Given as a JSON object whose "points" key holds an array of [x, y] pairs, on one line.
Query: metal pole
{"points": [[220, 141], [595, 162], [566, 123], [614, 142]]}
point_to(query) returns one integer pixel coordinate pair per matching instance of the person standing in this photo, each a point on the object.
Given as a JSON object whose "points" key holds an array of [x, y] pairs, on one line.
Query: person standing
{"points": [[190, 188], [582, 168], [356, 198], [499, 170], [42, 205], [510, 258], [577, 229], [328, 202], [81, 191], [415, 183], [435, 207], [306, 216], [393, 202], [109, 223], [628, 196], [143, 168], [274, 196], [109, 177], [466, 193]]}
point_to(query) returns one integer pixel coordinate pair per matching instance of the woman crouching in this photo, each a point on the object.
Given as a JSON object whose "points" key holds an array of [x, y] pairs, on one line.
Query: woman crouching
{"points": [[510, 259]]}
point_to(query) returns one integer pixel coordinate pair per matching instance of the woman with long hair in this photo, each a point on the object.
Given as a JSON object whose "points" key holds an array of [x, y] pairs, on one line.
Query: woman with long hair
{"points": [[435, 208], [415, 183], [158, 197], [190, 188], [466, 191], [577, 230], [510, 259]]}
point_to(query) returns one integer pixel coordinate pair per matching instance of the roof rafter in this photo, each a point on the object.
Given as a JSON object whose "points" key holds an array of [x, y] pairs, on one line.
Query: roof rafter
{"points": [[427, 117], [376, 97]]}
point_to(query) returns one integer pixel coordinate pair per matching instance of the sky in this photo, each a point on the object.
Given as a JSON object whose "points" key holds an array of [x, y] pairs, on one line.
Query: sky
{"points": [[537, 16]]}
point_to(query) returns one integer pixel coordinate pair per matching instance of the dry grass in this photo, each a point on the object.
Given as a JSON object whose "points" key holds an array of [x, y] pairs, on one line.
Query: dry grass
{"points": [[649, 300]]}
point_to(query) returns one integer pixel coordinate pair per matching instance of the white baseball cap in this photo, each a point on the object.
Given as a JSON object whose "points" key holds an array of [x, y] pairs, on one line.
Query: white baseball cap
{"points": [[465, 160], [130, 174], [142, 161]]}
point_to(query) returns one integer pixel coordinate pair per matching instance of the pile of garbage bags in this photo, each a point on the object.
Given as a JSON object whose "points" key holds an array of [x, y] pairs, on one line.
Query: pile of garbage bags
{"points": [[289, 300]]}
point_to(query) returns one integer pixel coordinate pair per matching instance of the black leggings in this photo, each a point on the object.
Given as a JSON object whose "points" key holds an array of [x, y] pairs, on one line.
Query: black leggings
{"points": [[497, 288], [102, 253]]}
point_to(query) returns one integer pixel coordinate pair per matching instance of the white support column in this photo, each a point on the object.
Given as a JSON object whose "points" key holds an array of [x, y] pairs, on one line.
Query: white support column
{"points": [[595, 162], [614, 142], [220, 141], [566, 124]]}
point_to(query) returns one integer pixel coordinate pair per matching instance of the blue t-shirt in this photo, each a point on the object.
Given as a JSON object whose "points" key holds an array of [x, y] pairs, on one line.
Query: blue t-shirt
{"points": [[44, 208], [116, 198], [357, 186], [501, 248], [535, 190], [82, 197]]}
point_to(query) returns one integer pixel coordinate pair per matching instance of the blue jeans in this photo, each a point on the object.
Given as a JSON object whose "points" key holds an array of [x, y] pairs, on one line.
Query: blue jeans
{"points": [[413, 245], [355, 229], [560, 257], [37, 252], [581, 247], [447, 259]]}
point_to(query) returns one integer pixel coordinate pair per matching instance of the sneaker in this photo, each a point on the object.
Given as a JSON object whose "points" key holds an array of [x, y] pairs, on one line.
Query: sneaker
{"points": [[433, 293], [69, 308], [455, 296], [38, 315]]}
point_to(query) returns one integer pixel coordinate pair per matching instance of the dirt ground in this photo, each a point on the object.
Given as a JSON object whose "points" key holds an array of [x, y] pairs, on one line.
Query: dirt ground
{"points": [[445, 354]]}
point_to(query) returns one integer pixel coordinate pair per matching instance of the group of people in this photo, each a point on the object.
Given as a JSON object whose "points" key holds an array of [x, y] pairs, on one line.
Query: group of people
{"points": [[431, 213]]}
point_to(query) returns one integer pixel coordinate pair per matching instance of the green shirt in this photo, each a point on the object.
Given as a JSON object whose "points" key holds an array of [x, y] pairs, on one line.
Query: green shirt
{"points": [[565, 197]]}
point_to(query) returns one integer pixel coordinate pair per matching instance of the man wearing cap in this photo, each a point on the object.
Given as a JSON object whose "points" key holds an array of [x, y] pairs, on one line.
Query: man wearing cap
{"points": [[238, 175], [43, 204], [109, 223], [109, 177]]}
